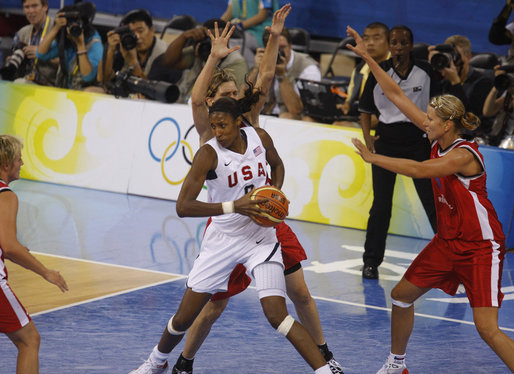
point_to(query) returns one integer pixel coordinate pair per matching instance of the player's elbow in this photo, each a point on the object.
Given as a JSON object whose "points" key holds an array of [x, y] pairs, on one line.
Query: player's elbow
{"points": [[181, 210]]}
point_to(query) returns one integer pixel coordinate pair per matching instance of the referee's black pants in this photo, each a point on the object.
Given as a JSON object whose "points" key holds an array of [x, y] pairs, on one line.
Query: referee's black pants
{"points": [[402, 140]]}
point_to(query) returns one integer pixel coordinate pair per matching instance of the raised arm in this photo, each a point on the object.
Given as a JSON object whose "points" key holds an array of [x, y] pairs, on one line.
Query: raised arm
{"points": [[44, 45], [273, 158], [219, 50], [269, 61], [391, 89]]}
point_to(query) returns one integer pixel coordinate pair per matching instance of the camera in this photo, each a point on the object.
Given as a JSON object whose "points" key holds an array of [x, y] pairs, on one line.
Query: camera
{"points": [[125, 84], [503, 81], [447, 53], [78, 14], [280, 55], [203, 48], [12, 67], [127, 37]]}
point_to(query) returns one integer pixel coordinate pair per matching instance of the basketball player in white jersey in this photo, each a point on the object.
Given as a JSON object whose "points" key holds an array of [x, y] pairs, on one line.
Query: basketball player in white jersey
{"points": [[14, 320], [232, 164]]}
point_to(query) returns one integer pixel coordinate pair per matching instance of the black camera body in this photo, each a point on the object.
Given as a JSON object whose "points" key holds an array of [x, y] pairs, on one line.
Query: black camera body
{"points": [[16, 64], [74, 22], [203, 48], [447, 53], [128, 39], [280, 55], [504, 81], [125, 84], [77, 15]]}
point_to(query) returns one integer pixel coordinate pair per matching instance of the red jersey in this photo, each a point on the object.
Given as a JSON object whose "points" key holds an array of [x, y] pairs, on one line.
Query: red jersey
{"points": [[463, 210]]}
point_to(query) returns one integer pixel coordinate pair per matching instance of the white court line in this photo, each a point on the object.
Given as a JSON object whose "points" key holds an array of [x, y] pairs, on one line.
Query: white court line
{"points": [[181, 276]]}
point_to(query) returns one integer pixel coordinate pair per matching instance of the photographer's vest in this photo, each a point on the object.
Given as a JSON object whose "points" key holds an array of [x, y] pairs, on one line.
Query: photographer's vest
{"points": [[158, 47], [44, 72], [300, 63]]}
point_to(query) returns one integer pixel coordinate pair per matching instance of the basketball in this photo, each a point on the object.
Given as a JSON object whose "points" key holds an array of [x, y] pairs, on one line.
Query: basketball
{"points": [[277, 206]]}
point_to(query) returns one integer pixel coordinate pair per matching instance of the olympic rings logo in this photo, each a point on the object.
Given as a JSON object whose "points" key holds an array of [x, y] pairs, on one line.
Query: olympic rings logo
{"points": [[171, 149]]}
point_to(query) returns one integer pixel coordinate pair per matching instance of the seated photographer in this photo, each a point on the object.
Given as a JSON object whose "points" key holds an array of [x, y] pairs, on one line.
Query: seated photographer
{"points": [[77, 44], [461, 79], [284, 96], [189, 52], [500, 103], [23, 66], [134, 46]]}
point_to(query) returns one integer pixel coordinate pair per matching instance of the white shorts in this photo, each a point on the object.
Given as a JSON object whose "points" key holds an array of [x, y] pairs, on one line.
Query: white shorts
{"points": [[220, 253]]}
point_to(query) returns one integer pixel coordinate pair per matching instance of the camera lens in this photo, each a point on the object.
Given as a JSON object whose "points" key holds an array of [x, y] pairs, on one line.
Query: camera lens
{"points": [[75, 29], [502, 82], [204, 49], [440, 61]]}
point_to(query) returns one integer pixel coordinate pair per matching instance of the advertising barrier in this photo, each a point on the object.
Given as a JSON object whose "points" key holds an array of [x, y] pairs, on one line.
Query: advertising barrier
{"points": [[146, 148]]}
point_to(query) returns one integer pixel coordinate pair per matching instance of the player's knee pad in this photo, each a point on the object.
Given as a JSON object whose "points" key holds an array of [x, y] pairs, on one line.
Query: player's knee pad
{"points": [[401, 304], [269, 279], [171, 330], [285, 325]]}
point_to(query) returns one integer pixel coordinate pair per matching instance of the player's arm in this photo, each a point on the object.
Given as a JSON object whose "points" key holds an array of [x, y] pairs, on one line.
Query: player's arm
{"points": [[458, 160], [204, 161], [389, 86], [269, 61], [14, 250], [273, 158]]}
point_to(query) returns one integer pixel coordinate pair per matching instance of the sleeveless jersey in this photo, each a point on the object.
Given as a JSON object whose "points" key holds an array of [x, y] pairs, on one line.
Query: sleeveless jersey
{"points": [[3, 270], [463, 210], [236, 175]]}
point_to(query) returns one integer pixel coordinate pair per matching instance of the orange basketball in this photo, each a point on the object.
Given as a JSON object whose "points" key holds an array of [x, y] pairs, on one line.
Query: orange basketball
{"points": [[277, 206]]}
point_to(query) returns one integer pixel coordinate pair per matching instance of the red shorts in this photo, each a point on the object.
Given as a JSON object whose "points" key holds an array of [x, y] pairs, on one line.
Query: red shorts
{"points": [[444, 264], [13, 315], [292, 254]]}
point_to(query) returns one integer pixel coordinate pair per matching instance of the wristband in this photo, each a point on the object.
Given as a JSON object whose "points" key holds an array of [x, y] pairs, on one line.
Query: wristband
{"points": [[83, 52], [134, 66], [228, 207], [280, 78]]}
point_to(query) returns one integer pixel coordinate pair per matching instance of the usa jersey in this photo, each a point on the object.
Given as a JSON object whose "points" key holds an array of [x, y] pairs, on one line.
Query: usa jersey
{"points": [[235, 175], [463, 209], [3, 270]]}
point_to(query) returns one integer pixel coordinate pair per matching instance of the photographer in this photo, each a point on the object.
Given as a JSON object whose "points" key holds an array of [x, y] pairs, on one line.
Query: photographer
{"points": [[190, 50], [23, 65], [76, 43], [133, 46], [461, 79], [500, 103]]}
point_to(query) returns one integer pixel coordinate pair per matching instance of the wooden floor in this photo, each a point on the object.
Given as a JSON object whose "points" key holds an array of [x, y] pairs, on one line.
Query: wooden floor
{"points": [[86, 280]]}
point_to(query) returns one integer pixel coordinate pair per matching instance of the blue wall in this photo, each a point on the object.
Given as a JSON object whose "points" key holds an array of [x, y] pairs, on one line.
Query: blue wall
{"points": [[431, 21]]}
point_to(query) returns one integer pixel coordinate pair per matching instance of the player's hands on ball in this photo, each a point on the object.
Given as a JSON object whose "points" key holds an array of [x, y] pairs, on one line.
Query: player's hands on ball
{"points": [[245, 205]]}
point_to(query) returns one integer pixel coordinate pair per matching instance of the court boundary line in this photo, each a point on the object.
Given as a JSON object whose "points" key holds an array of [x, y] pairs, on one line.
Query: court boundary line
{"points": [[181, 276]]}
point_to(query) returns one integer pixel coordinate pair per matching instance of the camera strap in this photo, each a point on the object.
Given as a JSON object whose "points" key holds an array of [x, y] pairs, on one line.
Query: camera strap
{"points": [[45, 28]]}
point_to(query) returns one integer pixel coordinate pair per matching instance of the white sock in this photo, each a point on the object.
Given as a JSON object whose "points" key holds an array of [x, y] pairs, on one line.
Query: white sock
{"points": [[393, 356], [158, 357], [323, 370]]}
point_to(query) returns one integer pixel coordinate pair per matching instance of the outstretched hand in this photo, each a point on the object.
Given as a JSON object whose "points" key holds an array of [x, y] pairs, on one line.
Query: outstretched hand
{"points": [[54, 277], [279, 19], [362, 150], [220, 47], [360, 47]]}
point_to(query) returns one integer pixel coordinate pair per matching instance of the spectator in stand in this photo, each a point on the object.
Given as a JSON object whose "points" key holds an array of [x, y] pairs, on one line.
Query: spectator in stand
{"points": [[284, 97], [502, 33], [79, 48], [143, 58], [252, 17], [376, 39], [28, 39], [395, 136], [189, 52], [464, 81]]}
